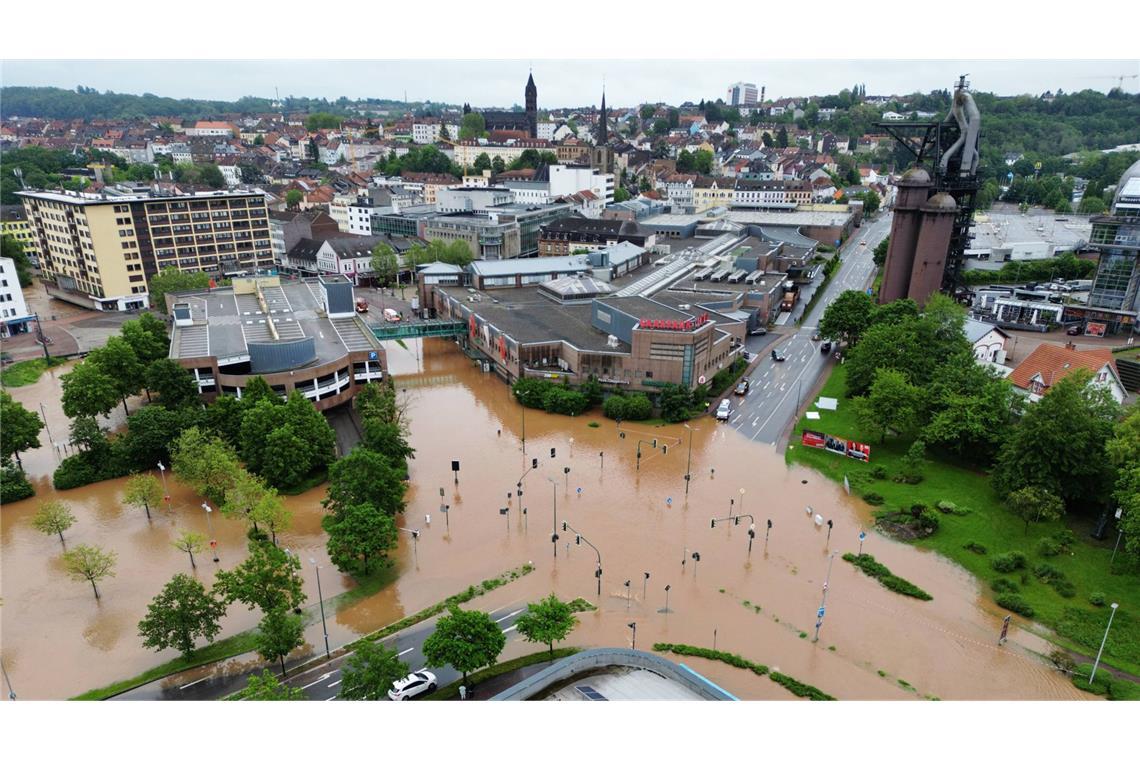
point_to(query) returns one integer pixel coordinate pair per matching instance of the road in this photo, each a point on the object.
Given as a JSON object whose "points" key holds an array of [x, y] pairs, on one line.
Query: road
{"points": [[779, 388]]}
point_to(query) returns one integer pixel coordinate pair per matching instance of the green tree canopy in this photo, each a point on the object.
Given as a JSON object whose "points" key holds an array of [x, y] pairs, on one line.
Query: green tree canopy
{"points": [[358, 533], [472, 126], [205, 463], [53, 516], [1033, 504], [11, 248], [847, 317], [21, 428], [385, 264], [892, 403], [322, 120], [467, 640], [189, 542], [147, 338], [269, 579], [173, 384], [182, 612], [293, 198], [365, 477], [120, 363], [266, 688], [144, 491], [171, 280], [88, 391], [370, 671], [89, 563], [279, 634], [546, 622]]}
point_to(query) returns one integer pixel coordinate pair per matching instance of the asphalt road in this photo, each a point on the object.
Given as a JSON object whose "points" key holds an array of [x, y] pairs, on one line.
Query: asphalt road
{"points": [[779, 388], [324, 683]]}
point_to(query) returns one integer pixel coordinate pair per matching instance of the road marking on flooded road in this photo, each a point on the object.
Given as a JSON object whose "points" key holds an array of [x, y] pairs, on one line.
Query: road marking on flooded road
{"points": [[510, 615], [330, 699], [508, 630], [409, 649], [200, 680], [325, 677], [334, 683]]}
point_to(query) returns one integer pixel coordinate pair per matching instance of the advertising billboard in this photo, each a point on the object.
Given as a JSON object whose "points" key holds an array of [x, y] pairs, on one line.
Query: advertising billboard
{"points": [[1095, 329], [841, 446]]}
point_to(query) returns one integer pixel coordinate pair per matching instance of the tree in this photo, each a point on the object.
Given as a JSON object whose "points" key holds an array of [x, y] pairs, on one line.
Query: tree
{"points": [[89, 563], [482, 162], [893, 403], [88, 391], [357, 534], [385, 265], [211, 175], [702, 161], [879, 255], [370, 672], [86, 434], [647, 111], [279, 634], [466, 640], [970, 410], [143, 491], [147, 338], [172, 280], [293, 198], [661, 127], [118, 361], [270, 511], [546, 622], [1033, 504], [189, 542], [365, 477], [21, 428], [1059, 444], [11, 248], [847, 317], [871, 201], [676, 400], [268, 579], [782, 137], [173, 384], [498, 165], [181, 612], [472, 126], [205, 463], [53, 516], [322, 120], [1091, 204], [621, 194], [266, 688]]}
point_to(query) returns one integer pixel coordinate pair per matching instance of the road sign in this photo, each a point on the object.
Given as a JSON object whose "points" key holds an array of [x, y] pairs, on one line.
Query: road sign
{"points": [[870, 291], [862, 535], [1004, 629], [1037, 166], [819, 612], [669, 500]]}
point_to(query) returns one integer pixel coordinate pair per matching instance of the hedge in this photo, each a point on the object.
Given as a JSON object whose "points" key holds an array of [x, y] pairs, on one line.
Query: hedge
{"points": [[798, 688], [883, 575]]}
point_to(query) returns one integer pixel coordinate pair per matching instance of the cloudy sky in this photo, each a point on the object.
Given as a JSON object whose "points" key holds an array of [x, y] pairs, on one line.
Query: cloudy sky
{"points": [[560, 82]]}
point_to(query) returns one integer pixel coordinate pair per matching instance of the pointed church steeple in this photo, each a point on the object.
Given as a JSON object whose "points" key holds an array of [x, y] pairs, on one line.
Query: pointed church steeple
{"points": [[603, 122], [532, 105]]}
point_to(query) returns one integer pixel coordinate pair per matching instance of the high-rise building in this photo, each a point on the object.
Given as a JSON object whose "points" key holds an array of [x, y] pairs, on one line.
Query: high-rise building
{"points": [[100, 250], [741, 94], [14, 317], [1115, 296]]}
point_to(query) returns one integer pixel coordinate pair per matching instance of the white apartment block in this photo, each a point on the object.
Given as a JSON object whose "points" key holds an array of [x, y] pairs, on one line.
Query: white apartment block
{"points": [[14, 317], [425, 133]]}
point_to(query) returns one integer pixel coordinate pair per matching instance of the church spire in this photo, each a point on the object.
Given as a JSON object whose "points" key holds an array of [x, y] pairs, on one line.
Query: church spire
{"points": [[603, 122]]}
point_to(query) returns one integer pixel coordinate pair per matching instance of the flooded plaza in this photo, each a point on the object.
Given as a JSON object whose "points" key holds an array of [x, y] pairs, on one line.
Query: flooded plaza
{"points": [[58, 641]]}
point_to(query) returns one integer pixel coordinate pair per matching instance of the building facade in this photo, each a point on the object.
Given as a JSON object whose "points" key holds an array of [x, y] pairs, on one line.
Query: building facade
{"points": [[1114, 300], [14, 317], [99, 251]]}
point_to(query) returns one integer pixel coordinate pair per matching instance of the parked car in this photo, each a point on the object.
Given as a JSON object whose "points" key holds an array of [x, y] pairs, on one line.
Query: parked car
{"points": [[777, 356], [759, 331], [1074, 330], [825, 347], [742, 387], [420, 682], [724, 411], [815, 336]]}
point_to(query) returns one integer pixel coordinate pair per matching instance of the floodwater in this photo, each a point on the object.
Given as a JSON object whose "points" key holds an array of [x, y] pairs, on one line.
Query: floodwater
{"points": [[58, 641]]}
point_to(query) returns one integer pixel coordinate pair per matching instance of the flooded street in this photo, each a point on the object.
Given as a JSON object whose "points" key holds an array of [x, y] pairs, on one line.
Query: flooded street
{"points": [[58, 641]]}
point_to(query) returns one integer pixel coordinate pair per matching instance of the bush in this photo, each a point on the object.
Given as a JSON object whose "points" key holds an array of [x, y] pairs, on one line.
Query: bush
{"points": [[883, 575], [1008, 562], [1097, 599], [14, 485], [89, 467], [635, 406], [879, 472], [1047, 547], [1004, 586], [560, 400], [1014, 603], [1101, 684], [975, 547], [531, 392], [1046, 572], [950, 508], [873, 498], [1066, 538], [1064, 587]]}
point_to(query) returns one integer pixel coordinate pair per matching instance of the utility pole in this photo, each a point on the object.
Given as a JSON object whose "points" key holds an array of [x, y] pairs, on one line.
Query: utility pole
{"points": [[823, 602]]}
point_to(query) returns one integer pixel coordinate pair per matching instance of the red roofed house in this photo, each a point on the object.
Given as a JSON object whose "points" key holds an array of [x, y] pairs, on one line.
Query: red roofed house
{"points": [[1048, 363]]}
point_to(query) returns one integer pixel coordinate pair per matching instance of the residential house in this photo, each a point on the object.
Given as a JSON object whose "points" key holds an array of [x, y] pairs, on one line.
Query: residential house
{"points": [[988, 341], [1049, 363]]}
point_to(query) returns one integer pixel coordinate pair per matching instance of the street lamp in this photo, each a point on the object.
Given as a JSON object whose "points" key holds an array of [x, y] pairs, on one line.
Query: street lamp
{"points": [[627, 595], [696, 561], [210, 525], [633, 626], [666, 610], [446, 516], [644, 586], [1102, 642], [823, 602], [554, 533], [766, 532], [11, 693], [415, 542], [165, 493], [689, 463], [830, 524], [321, 596]]}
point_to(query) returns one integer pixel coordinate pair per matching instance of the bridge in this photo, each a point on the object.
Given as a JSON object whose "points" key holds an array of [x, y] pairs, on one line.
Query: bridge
{"points": [[436, 328]]}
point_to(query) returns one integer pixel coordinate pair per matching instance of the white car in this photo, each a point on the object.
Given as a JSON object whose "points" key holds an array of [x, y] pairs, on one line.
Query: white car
{"points": [[724, 411], [420, 682]]}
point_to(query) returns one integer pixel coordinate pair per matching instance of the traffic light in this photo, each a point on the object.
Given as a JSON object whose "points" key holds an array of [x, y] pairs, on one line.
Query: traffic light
{"points": [[598, 573], [534, 463], [664, 449], [654, 443], [712, 523], [565, 470], [552, 452], [736, 521], [415, 534], [564, 525], [503, 510], [769, 525], [553, 538], [577, 539], [621, 434]]}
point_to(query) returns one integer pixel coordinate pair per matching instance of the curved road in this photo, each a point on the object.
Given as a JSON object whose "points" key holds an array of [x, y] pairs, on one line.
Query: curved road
{"points": [[777, 389]]}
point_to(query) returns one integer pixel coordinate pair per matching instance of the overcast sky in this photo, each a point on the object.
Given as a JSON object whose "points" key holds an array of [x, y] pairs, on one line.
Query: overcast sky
{"points": [[560, 82]]}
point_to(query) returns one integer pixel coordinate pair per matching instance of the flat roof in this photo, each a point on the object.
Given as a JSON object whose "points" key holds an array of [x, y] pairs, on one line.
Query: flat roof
{"points": [[529, 317], [111, 197], [539, 265], [226, 323], [995, 229]]}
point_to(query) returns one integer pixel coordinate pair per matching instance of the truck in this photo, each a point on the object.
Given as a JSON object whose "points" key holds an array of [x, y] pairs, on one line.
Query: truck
{"points": [[391, 315], [361, 306], [790, 297]]}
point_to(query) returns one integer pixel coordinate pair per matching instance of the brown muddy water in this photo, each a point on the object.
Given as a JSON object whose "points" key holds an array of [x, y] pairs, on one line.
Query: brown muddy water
{"points": [[59, 641]]}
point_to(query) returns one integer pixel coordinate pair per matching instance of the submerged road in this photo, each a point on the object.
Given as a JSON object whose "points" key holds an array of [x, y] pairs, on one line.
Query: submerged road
{"points": [[779, 388]]}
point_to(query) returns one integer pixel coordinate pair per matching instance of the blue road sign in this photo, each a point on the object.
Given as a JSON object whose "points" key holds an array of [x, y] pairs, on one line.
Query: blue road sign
{"points": [[862, 535], [372, 354], [819, 612], [579, 490], [669, 501]]}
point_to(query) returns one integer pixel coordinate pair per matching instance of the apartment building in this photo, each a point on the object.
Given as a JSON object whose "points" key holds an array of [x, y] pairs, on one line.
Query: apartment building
{"points": [[14, 223], [14, 317], [99, 250]]}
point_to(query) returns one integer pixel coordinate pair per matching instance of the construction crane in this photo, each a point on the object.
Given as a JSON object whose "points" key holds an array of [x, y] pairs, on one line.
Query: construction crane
{"points": [[1119, 79]]}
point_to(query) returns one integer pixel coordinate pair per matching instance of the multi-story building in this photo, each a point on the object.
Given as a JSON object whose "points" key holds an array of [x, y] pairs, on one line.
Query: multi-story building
{"points": [[425, 132], [99, 250], [14, 317], [14, 224], [287, 228], [565, 236], [742, 94], [1114, 301], [211, 129], [467, 151]]}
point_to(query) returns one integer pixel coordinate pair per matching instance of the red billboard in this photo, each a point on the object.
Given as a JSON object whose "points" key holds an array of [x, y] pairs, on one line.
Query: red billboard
{"points": [[1095, 329], [841, 446]]}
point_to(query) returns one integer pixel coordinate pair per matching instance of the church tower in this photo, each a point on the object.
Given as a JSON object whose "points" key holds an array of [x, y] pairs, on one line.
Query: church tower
{"points": [[532, 105], [603, 123]]}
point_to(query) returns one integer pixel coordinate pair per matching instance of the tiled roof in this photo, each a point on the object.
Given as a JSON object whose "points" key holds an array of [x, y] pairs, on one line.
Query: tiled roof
{"points": [[1052, 362]]}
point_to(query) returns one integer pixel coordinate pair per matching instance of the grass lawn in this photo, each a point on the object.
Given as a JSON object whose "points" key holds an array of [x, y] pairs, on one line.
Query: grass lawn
{"points": [[26, 372], [451, 691], [1078, 624]]}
